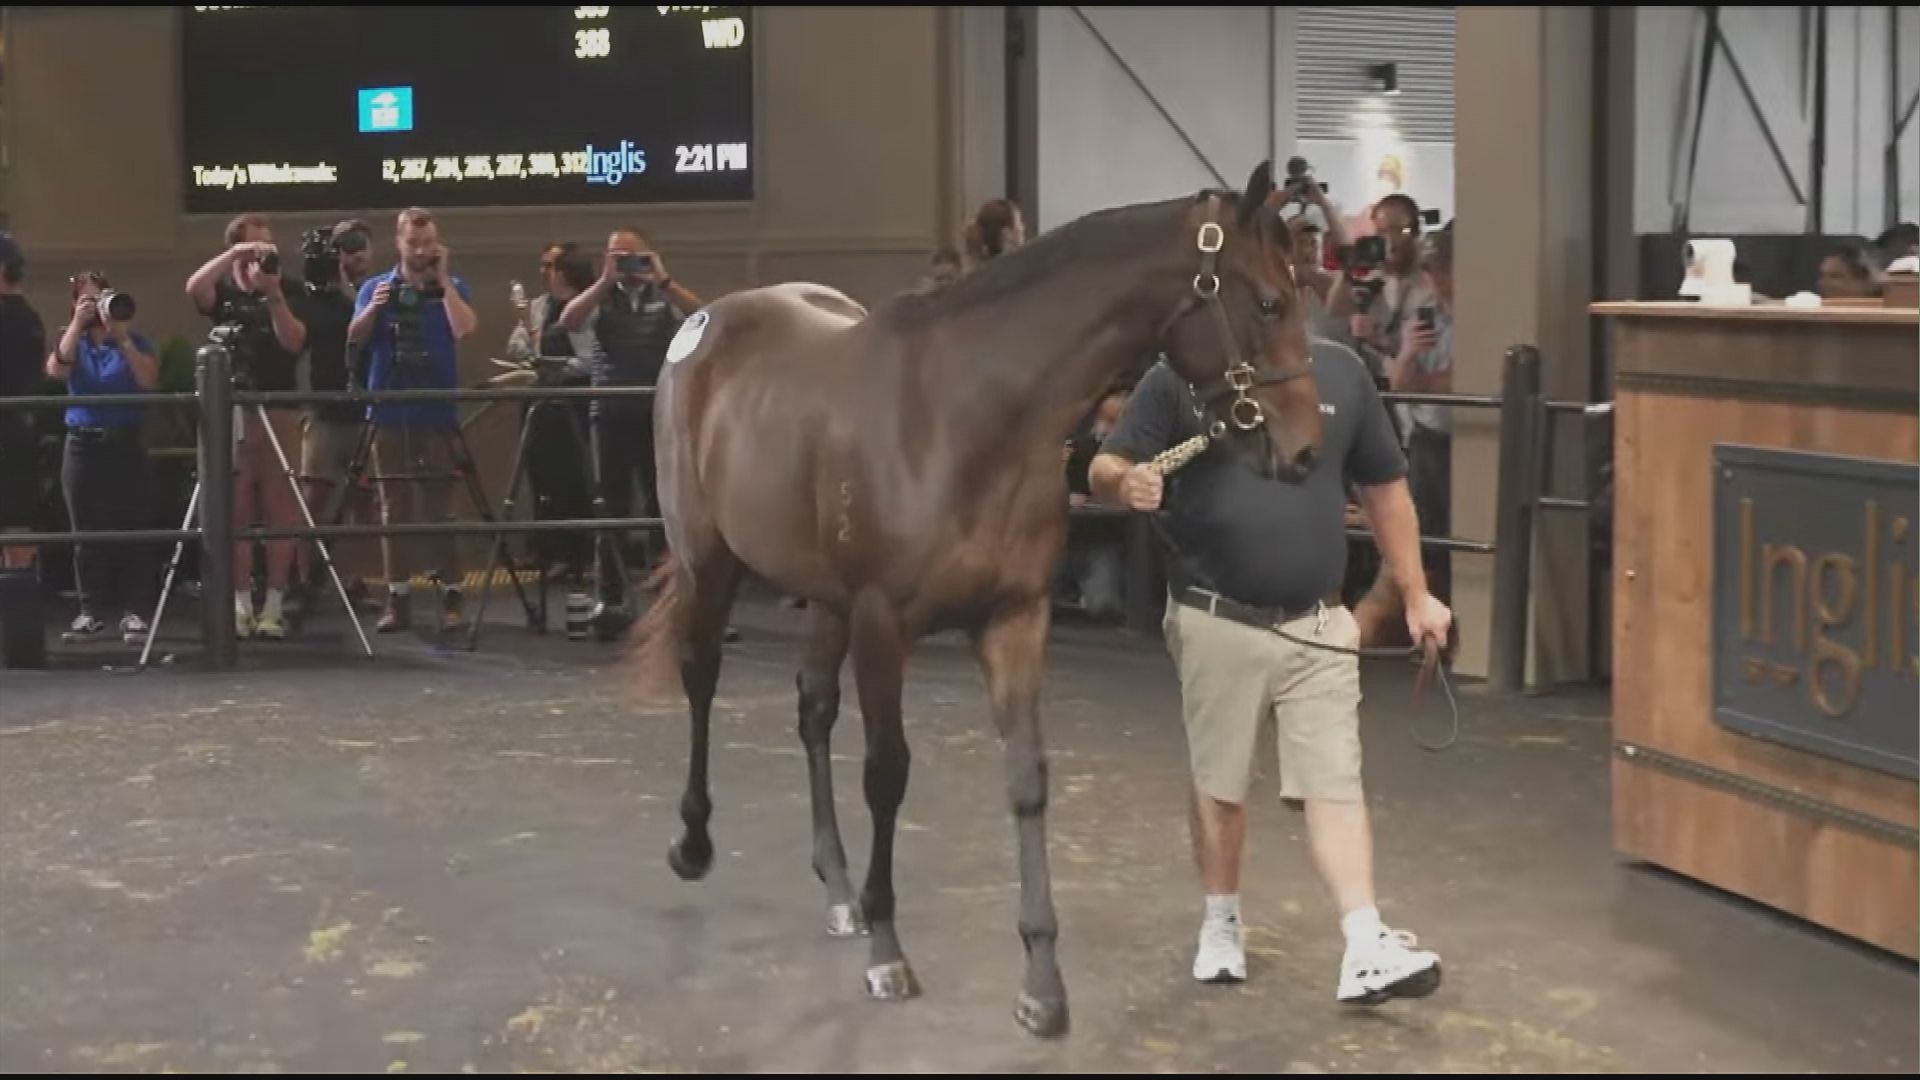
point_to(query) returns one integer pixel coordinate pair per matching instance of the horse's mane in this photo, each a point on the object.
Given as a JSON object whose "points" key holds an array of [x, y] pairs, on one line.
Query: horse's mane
{"points": [[1102, 234]]}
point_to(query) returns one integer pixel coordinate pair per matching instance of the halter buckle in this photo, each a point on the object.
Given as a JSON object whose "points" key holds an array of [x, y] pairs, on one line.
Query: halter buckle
{"points": [[1212, 236], [1240, 378]]}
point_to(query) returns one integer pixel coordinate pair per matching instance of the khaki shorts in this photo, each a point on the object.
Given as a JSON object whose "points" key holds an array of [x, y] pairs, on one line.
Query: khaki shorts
{"points": [[1233, 678], [328, 449]]}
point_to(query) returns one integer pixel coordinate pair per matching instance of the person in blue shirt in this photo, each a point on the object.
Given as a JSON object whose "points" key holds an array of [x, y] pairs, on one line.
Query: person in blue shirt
{"points": [[104, 473], [409, 321]]}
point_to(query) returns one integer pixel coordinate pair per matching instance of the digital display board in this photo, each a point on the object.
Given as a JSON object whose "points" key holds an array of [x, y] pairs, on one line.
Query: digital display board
{"points": [[327, 108]]}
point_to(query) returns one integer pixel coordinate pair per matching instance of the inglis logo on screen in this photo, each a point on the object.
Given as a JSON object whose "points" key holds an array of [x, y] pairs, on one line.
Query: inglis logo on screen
{"points": [[386, 108], [612, 166]]}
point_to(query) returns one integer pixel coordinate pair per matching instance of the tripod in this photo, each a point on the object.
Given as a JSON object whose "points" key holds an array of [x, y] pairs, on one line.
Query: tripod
{"points": [[464, 468], [306, 512], [603, 543]]}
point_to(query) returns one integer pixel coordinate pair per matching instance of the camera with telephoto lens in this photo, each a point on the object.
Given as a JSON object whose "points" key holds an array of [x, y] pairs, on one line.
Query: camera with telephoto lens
{"points": [[115, 306]]}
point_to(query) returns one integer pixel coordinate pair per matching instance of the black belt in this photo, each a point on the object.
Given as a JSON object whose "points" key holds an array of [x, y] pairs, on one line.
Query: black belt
{"points": [[1260, 618]]}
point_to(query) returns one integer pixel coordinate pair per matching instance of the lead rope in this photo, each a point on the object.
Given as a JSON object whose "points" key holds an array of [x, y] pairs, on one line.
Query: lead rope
{"points": [[1427, 654]]}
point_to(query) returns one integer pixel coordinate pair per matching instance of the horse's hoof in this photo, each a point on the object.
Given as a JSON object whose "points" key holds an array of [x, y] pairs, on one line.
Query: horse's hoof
{"points": [[846, 920], [1047, 1019], [691, 862], [892, 982]]}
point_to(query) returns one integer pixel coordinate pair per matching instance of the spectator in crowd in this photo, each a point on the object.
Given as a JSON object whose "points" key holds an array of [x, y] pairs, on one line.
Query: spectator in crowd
{"points": [[996, 229], [23, 350], [330, 434], [635, 309], [1849, 273], [1094, 569], [105, 471], [943, 268], [410, 320], [1424, 365], [1897, 242], [558, 469], [1378, 317], [241, 287]]}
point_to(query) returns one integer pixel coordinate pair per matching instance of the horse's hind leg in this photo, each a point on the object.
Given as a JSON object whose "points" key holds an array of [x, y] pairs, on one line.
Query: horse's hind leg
{"points": [[710, 583], [879, 662], [819, 685], [1011, 650]]}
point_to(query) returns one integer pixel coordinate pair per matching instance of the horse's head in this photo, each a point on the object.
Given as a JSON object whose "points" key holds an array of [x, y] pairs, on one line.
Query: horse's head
{"points": [[1240, 339]]}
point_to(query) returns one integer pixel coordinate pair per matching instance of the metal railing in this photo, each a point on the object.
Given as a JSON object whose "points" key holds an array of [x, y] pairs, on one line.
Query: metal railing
{"points": [[1526, 419]]}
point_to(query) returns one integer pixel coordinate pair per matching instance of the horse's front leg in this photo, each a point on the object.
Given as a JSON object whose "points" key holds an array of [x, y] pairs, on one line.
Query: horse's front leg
{"points": [[1011, 649]]}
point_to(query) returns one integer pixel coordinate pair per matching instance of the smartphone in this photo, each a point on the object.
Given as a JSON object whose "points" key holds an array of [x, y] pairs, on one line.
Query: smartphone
{"points": [[634, 264], [1426, 318]]}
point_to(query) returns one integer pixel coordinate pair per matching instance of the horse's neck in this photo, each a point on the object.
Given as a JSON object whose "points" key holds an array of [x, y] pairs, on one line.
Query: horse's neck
{"points": [[1039, 360]]}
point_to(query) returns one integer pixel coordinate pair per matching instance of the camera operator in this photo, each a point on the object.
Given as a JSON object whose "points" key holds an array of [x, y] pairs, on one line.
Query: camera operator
{"points": [[1382, 288], [410, 321], [638, 309], [335, 261], [23, 351], [104, 474], [240, 290], [560, 478]]}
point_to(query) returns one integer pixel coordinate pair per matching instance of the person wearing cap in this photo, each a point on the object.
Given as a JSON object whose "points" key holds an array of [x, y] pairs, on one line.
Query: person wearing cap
{"points": [[23, 346]]}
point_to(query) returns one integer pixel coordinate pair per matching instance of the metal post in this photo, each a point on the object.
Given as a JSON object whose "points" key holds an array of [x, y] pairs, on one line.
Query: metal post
{"points": [[213, 377], [1522, 410]]}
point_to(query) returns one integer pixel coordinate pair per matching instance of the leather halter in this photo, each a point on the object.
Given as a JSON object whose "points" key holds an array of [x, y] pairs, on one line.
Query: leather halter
{"points": [[1240, 378]]}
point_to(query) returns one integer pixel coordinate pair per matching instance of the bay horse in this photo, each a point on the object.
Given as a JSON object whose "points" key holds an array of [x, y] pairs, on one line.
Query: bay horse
{"points": [[901, 471]]}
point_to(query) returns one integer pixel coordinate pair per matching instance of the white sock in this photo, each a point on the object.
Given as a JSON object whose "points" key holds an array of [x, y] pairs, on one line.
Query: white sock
{"points": [[1362, 925], [243, 603], [401, 589], [271, 609], [1223, 908]]}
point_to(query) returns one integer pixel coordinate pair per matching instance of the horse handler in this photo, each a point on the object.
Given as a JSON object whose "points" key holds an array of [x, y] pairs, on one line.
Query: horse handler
{"points": [[1250, 560]]}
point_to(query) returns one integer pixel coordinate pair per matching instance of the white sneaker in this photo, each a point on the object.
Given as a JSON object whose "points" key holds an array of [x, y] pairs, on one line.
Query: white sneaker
{"points": [[243, 624], [270, 626], [1222, 957], [1392, 965], [133, 629]]}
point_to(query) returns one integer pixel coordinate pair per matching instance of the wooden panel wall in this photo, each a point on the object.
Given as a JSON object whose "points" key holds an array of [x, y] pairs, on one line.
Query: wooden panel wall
{"points": [[1834, 875]]}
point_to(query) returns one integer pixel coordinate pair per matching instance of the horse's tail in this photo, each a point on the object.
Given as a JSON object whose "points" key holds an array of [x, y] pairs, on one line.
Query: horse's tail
{"points": [[659, 634]]}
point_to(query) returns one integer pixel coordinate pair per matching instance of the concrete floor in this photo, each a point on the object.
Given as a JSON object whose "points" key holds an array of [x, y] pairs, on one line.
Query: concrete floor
{"points": [[453, 862]]}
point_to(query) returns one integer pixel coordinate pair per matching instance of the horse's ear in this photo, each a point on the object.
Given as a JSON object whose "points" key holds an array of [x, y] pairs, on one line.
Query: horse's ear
{"points": [[1259, 187]]}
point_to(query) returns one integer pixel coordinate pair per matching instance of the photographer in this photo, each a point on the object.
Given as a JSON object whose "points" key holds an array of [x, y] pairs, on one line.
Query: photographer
{"points": [[1424, 365], [334, 262], [23, 349], [1381, 288], [560, 478], [104, 474], [241, 291], [638, 309], [410, 321]]}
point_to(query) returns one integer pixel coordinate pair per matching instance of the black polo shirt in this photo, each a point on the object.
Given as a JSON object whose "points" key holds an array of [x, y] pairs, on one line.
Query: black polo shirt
{"points": [[1260, 541]]}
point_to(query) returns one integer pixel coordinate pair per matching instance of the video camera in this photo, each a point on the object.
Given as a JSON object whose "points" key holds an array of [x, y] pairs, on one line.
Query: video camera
{"points": [[320, 251], [1300, 179]]}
